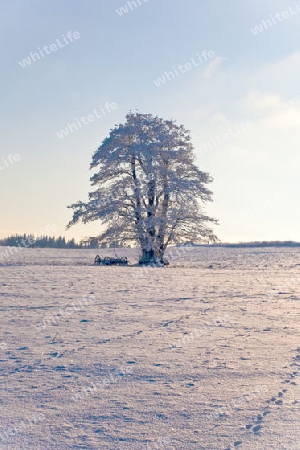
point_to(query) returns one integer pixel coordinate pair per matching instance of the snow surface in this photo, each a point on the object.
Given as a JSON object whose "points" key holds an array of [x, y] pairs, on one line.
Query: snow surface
{"points": [[202, 354]]}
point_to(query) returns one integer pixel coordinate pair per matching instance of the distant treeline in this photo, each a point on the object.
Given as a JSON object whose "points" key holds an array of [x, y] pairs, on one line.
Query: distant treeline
{"points": [[31, 241], [258, 244]]}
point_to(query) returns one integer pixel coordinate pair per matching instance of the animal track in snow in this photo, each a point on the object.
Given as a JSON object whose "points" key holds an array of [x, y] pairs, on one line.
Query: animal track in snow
{"points": [[257, 426]]}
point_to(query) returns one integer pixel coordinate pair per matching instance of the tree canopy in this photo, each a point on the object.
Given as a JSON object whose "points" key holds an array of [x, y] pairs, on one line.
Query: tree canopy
{"points": [[148, 189]]}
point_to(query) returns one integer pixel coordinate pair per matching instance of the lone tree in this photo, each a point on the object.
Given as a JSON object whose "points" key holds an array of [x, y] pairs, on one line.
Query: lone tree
{"points": [[148, 189]]}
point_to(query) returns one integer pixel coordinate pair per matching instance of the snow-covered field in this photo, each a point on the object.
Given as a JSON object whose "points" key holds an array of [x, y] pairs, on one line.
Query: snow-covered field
{"points": [[203, 354]]}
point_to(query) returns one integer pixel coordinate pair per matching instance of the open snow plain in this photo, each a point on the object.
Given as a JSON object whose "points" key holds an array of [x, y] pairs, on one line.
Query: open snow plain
{"points": [[203, 354]]}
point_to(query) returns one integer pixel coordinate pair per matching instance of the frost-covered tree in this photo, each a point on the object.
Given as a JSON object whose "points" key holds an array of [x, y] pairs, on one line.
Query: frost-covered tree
{"points": [[148, 189]]}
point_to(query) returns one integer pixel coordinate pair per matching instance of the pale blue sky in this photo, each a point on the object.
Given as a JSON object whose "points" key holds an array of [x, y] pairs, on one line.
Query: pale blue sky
{"points": [[116, 59]]}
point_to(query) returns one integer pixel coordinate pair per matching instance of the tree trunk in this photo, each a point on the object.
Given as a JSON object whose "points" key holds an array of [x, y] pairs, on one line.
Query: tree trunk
{"points": [[152, 257], [161, 254]]}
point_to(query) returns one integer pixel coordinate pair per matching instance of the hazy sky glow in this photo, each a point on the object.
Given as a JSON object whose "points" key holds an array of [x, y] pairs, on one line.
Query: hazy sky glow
{"points": [[241, 102]]}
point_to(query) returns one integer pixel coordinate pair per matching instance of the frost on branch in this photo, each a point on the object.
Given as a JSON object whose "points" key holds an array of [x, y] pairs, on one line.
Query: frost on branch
{"points": [[148, 190]]}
